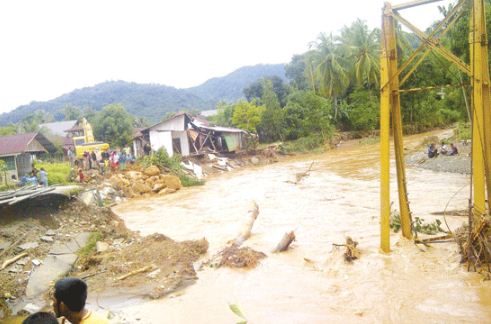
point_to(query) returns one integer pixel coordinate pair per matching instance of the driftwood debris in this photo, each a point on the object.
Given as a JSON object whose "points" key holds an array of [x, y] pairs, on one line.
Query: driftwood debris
{"points": [[285, 242], [235, 257], [245, 231], [12, 260], [301, 175], [351, 253], [134, 272]]}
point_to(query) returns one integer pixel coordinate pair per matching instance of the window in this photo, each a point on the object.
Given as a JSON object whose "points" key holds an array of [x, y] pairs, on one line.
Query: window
{"points": [[10, 161]]}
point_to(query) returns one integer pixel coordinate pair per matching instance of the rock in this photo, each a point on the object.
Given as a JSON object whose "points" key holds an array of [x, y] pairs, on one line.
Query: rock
{"points": [[47, 239], [166, 191], [28, 245], [31, 308], [101, 247], [153, 274], [211, 156], [152, 171], [119, 181], [36, 262], [133, 175], [157, 187], [87, 198], [140, 188], [254, 160], [50, 232], [171, 181]]}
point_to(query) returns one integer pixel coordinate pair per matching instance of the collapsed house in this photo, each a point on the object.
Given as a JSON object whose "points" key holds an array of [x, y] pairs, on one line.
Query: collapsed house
{"points": [[19, 152], [186, 135]]}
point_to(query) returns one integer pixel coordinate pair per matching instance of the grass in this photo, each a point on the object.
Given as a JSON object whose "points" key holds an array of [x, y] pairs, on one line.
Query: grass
{"points": [[314, 144], [91, 243], [58, 172], [463, 131], [188, 181]]}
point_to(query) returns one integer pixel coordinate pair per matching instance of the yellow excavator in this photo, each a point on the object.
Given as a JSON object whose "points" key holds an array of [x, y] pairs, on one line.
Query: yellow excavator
{"points": [[85, 142]]}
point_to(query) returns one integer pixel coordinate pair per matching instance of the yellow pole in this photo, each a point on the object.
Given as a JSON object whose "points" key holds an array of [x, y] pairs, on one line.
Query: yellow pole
{"points": [[397, 127], [385, 98], [481, 85], [479, 206]]}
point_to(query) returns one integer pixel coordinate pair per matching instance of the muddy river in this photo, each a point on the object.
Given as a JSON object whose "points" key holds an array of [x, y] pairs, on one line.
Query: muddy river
{"points": [[311, 283]]}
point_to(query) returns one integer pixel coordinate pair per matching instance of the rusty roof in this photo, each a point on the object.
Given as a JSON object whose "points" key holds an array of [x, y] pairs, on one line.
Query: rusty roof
{"points": [[16, 144]]}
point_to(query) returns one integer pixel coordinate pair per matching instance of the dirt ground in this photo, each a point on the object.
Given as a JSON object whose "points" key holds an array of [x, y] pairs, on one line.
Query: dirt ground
{"points": [[156, 264]]}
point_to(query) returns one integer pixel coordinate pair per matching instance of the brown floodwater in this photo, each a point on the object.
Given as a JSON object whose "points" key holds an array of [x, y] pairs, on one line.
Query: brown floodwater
{"points": [[311, 283]]}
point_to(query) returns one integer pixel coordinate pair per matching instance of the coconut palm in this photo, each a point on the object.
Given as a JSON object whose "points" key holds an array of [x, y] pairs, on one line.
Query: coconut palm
{"points": [[330, 72], [361, 48]]}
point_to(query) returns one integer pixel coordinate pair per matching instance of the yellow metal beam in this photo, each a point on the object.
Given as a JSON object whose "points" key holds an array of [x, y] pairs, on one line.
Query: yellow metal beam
{"points": [[481, 115], [411, 4], [429, 42], [447, 22], [385, 96]]}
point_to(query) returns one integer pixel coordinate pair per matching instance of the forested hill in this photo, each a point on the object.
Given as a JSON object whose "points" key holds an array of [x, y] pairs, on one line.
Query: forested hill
{"points": [[151, 101]]}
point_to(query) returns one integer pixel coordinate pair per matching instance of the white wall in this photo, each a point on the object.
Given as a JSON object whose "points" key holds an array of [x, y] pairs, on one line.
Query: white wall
{"points": [[174, 124], [161, 139]]}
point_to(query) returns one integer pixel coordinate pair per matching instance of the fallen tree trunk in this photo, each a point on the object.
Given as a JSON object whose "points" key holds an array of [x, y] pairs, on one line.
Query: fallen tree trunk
{"points": [[12, 260], [245, 231], [285, 242]]}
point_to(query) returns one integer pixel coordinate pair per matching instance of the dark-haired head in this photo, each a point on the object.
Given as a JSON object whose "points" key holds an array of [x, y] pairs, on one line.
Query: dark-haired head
{"points": [[40, 318], [72, 292]]}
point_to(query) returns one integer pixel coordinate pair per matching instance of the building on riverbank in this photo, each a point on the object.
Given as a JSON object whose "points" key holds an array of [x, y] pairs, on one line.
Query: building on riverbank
{"points": [[19, 151], [187, 135]]}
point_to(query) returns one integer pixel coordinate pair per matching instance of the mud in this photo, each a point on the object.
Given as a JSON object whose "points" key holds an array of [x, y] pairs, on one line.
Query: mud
{"points": [[311, 282]]}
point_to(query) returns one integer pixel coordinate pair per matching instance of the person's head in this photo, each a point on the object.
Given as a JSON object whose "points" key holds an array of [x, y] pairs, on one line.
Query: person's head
{"points": [[69, 297], [42, 169], [452, 145], [40, 318]]}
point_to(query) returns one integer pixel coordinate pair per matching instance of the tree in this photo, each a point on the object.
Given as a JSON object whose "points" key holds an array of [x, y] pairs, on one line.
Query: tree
{"points": [[247, 115], [8, 130], [31, 123], [224, 114], [331, 73], [256, 90], [113, 125], [272, 126], [307, 114], [361, 47], [71, 113], [296, 71]]}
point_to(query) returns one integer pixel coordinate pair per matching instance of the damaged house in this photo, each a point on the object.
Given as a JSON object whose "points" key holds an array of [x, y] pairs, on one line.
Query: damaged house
{"points": [[187, 135]]}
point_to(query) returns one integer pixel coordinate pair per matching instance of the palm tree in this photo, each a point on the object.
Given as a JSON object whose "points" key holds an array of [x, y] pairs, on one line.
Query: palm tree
{"points": [[330, 73], [361, 48]]}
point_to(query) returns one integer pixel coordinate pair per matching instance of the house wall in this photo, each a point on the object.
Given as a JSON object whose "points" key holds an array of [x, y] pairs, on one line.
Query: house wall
{"points": [[174, 124], [35, 146], [161, 139], [24, 164]]}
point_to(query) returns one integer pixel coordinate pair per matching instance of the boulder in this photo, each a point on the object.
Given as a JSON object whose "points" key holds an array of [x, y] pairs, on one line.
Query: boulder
{"points": [[133, 175], [119, 181], [152, 171], [140, 188], [166, 191], [171, 181], [254, 160], [157, 187]]}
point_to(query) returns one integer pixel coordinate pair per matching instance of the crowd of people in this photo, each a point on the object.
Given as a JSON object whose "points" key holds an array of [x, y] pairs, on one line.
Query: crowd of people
{"points": [[103, 161], [433, 151], [69, 298]]}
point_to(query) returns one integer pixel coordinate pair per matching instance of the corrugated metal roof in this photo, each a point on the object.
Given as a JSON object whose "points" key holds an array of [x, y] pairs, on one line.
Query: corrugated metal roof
{"points": [[59, 128], [15, 144]]}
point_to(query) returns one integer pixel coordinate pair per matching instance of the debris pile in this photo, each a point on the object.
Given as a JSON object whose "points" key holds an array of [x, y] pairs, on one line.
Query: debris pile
{"points": [[156, 262], [235, 257], [475, 246]]}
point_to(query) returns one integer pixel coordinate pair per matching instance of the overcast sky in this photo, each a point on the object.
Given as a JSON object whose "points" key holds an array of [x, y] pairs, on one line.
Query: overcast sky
{"points": [[52, 47]]}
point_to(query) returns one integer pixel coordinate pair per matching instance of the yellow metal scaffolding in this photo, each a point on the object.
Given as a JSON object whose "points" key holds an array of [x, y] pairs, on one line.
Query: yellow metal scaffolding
{"points": [[391, 78]]}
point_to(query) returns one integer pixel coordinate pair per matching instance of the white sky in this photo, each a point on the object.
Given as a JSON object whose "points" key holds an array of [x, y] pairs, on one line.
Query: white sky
{"points": [[52, 47]]}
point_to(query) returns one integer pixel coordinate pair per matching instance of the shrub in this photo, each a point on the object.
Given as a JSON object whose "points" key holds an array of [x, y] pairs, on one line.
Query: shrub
{"points": [[58, 172], [302, 145]]}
